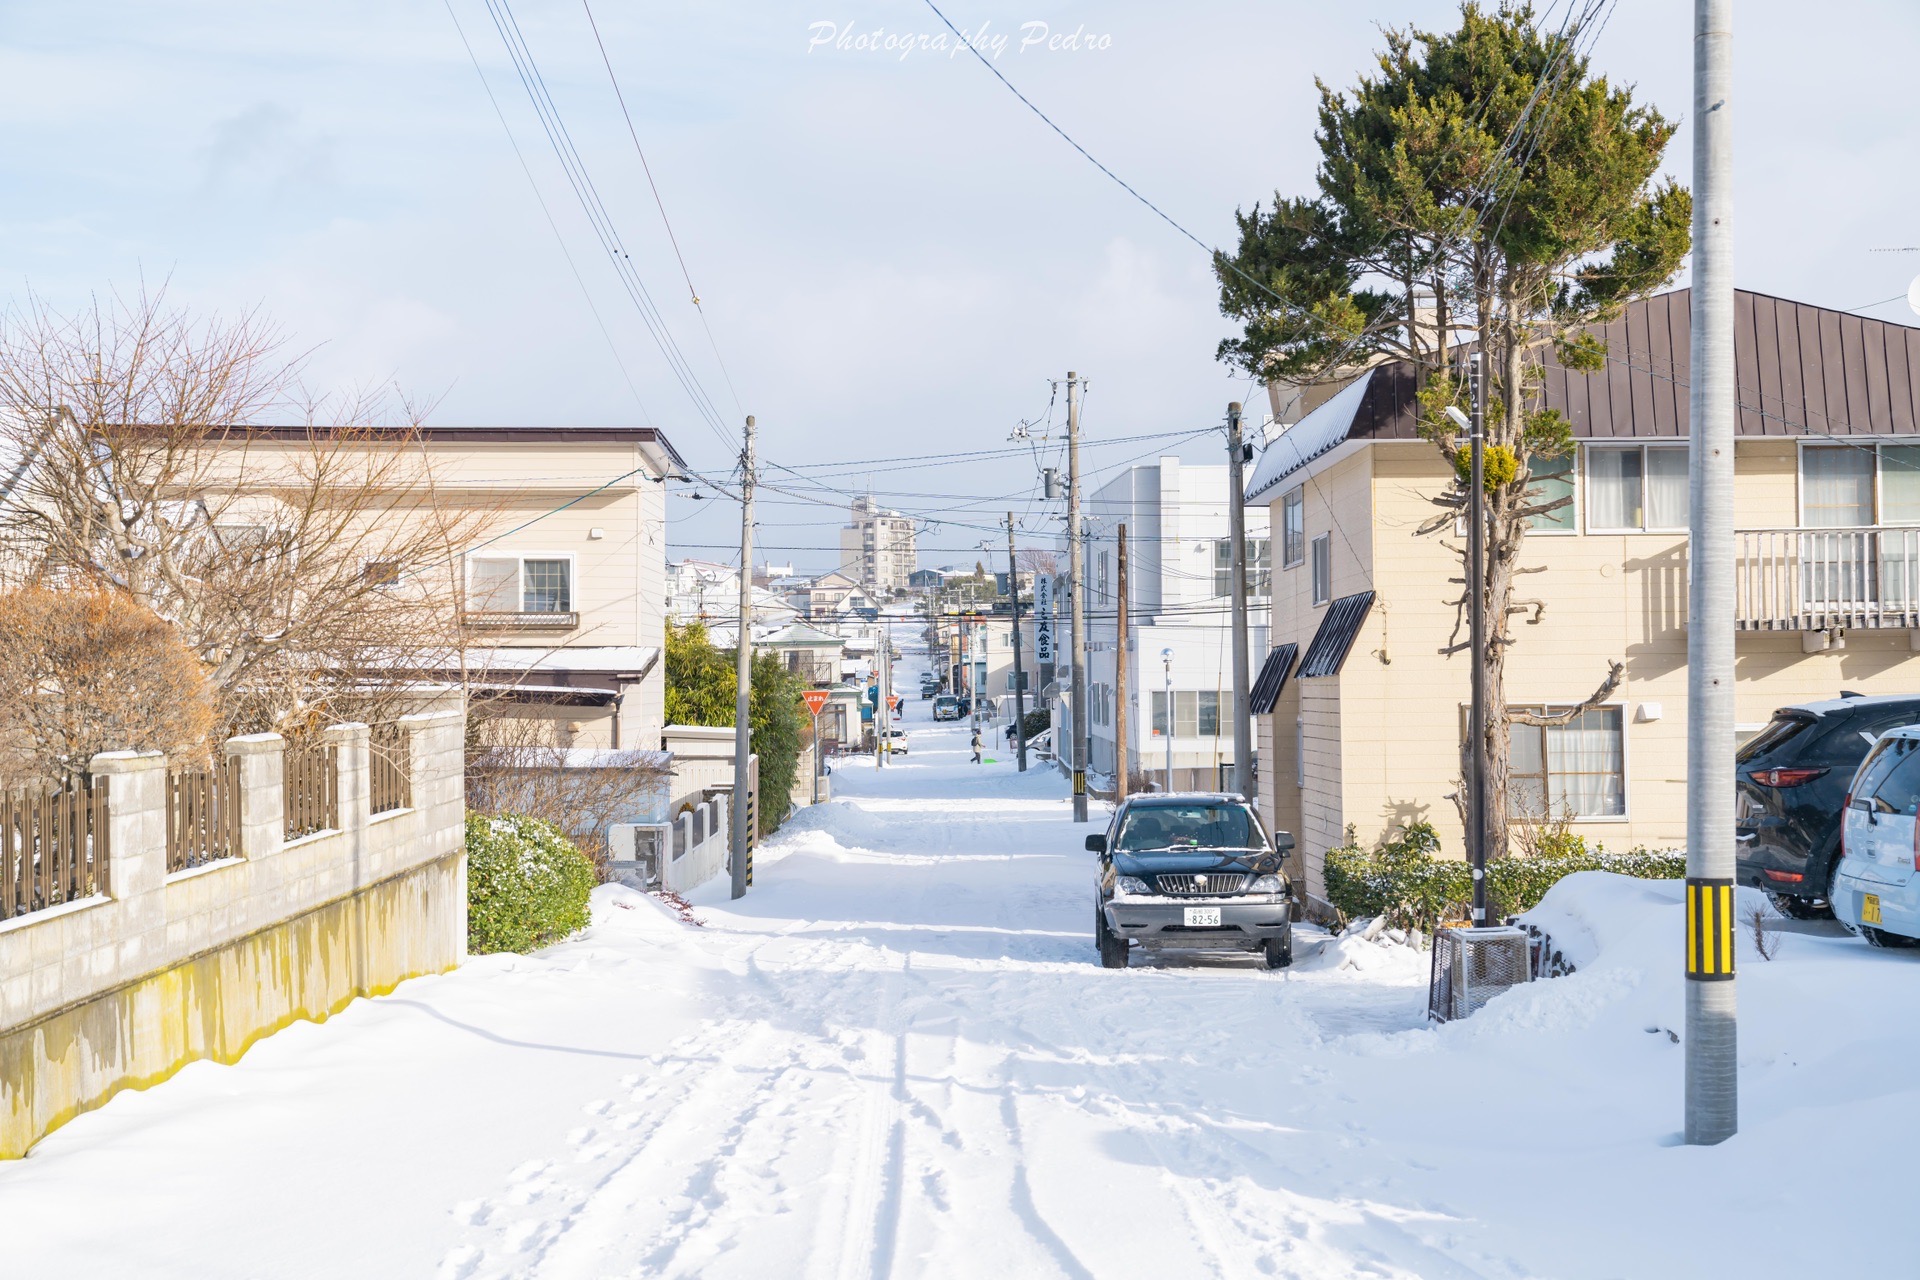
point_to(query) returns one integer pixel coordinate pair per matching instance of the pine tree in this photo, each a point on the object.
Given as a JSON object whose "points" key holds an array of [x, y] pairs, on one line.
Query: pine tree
{"points": [[1484, 181]]}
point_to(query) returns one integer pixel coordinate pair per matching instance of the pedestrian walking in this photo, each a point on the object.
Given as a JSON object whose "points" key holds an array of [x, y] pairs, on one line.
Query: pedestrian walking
{"points": [[976, 746]]}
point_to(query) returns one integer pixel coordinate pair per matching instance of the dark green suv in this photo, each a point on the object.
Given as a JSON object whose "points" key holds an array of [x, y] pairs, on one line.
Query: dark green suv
{"points": [[1191, 871]]}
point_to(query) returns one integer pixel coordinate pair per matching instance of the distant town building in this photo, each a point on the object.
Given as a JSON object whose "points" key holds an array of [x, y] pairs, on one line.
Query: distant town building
{"points": [[877, 549]]}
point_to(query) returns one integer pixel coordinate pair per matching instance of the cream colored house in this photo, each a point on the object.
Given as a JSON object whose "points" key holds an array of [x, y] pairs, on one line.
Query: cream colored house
{"points": [[563, 577], [1360, 717]]}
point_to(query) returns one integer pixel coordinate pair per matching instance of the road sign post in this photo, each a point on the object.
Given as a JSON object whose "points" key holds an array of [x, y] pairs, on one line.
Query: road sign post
{"points": [[816, 700]]}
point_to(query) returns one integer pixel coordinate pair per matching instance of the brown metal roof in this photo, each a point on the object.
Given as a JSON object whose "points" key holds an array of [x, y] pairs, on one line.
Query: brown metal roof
{"points": [[1802, 371]]}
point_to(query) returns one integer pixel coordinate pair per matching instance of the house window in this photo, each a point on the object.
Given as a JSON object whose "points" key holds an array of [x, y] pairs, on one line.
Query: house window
{"points": [[519, 584], [1635, 488], [1574, 770], [1293, 527], [1850, 486], [1101, 585], [1202, 713], [1323, 568], [1259, 567], [382, 573], [1552, 480]]}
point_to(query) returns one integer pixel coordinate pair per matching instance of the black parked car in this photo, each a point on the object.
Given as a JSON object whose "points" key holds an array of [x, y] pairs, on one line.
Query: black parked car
{"points": [[1792, 791], [1191, 870]]}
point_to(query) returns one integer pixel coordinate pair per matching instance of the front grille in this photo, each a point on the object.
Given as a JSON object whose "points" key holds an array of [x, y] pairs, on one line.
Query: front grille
{"points": [[1213, 884]]}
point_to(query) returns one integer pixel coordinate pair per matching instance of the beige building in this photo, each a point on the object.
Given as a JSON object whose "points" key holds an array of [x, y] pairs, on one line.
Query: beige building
{"points": [[1360, 717], [878, 549]]}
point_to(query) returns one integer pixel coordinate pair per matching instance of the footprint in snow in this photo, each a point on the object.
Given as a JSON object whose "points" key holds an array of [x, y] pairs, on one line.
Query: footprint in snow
{"points": [[459, 1263], [473, 1212]]}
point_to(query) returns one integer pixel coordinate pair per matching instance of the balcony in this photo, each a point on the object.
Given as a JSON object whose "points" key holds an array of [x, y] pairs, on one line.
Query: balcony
{"points": [[519, 620], [1819, 579]]}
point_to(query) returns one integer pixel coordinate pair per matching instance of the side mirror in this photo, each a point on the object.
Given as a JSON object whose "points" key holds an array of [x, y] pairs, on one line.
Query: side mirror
{"points": [[1096, 844], [1282, 842]]}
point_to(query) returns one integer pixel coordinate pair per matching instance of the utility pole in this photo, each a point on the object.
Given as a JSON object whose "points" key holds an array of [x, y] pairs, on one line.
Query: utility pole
{"points": [[1477, 642], [883, 699], [1120, 681], [1712, 1071], [1237, 545], [741, 841], [1019, 679], [1079, 610]]}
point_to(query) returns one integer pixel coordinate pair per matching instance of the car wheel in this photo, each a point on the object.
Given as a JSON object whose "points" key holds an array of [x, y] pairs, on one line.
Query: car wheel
{"points": [[1113, 948], [1277, 953], [1795, 907]]}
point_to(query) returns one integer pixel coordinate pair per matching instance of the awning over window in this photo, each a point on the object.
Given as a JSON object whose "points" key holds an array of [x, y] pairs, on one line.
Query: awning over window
{"points": [[1328, 652], [1272, 679]]}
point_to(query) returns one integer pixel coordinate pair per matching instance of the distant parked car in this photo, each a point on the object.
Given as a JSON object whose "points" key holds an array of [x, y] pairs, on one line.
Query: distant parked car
{"points": [[897, 740], [1791, 787], [1876, 892], [1191, 870]]}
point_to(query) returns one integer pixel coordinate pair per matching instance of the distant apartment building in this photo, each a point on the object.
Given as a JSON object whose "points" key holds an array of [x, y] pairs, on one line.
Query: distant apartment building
{"points": [[877, 549]]}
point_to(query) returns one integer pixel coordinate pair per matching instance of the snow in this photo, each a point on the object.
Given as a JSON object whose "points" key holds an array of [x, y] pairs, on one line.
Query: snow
{"points": [[896, 1056]]}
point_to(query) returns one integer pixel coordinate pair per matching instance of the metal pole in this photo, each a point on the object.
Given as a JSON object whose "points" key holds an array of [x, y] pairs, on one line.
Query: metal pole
{"points": [[816, 757], [1477, 643], [1120, 761], [1079, 612], [1019, 680], [1712, 1087], [740, 843], [1237, 545], [1166, 660]]}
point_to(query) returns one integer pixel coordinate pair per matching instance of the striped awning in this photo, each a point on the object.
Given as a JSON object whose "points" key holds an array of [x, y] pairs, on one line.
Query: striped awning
{"points": [[1272, 679], [1338, 629]]}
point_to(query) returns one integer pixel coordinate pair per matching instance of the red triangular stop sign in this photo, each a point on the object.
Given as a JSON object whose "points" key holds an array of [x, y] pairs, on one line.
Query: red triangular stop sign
{"points": [[816, 699]]}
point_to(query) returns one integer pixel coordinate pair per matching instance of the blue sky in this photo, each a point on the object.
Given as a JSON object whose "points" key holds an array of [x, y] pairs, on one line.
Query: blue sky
{"points": [[893, 254]]}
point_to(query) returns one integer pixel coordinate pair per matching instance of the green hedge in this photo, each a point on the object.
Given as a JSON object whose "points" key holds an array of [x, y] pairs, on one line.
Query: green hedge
{"points": [[1406, 881], [527, 884]]}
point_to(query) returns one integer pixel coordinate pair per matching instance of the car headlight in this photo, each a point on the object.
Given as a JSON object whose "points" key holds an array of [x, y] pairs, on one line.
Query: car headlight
{"points": [[1267, 884], [1130, 884]]}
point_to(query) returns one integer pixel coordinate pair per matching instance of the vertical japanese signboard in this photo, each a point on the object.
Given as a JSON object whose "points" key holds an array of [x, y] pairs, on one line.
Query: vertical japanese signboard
{"points": [[1043, 619]]}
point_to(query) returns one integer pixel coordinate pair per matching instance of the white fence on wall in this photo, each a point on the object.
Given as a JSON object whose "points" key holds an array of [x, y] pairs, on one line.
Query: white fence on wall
{"points": [[698, 850], [1812, 579]]}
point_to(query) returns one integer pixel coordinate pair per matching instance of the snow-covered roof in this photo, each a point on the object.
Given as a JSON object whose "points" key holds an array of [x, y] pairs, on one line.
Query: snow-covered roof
{"points": [[799, 634], [610, 658], [1318, 432]]}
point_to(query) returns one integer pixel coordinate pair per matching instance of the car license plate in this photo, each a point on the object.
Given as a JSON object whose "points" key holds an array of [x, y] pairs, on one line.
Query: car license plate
{"points": [[1209, 917], [1869, 909]]}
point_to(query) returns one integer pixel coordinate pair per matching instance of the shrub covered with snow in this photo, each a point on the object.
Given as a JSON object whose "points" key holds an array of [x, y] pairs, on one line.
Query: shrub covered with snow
{"points": [[1407, 881], [527, 884]]}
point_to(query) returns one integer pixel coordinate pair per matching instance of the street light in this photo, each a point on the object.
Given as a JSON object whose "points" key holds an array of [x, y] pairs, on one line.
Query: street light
{"points": [[1166, 662]]}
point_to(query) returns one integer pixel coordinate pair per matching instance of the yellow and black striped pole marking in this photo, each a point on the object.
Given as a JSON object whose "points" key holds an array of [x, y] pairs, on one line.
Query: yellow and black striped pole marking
{"points": [[1709, 930], [1079, 782]]}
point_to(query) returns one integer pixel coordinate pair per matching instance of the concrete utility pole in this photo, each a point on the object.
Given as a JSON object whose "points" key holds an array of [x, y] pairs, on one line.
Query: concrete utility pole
{"points": [[740, 841], [1079, 611], [1477, 642], [883, 694], [1019, 679], [1237, 546], [1712, 1088], [1166, 663], [1120, 682]]}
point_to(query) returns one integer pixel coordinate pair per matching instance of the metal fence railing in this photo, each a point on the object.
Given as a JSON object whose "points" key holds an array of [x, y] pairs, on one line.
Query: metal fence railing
{"points": [[389, 771], [203, 815], [53, 846], [1811, 579], [312, 793]]}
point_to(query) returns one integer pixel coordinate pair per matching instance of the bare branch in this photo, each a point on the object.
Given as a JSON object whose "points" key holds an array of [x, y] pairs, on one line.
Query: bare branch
{"points": [[1549, 720]]}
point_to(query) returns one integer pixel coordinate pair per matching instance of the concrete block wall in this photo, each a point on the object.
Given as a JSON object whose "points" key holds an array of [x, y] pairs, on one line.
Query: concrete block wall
{"points": [[121, 989]]}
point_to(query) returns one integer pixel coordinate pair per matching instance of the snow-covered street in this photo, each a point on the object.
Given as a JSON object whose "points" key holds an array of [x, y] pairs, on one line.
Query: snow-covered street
{"points": [[897, 1057]]}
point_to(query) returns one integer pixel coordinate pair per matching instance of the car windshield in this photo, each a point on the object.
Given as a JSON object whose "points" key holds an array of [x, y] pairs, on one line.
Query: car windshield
{"points": [[1200, 825]]}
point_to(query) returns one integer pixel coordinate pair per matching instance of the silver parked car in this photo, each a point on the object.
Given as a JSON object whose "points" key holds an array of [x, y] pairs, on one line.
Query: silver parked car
{"points": [[1876, 891]]}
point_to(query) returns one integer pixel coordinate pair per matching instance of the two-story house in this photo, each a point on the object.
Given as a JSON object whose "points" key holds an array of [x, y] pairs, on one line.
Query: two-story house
{"points": [[1360, 714]]}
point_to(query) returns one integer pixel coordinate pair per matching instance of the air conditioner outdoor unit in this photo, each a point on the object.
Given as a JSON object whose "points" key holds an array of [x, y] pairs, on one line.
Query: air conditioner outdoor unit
{"points": [[636, 851], [1472, 966]]}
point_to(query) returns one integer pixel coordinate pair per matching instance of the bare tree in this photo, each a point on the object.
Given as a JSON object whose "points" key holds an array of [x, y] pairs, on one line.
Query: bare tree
{"points": [[296, 544], [88, 671], [517, 764]]}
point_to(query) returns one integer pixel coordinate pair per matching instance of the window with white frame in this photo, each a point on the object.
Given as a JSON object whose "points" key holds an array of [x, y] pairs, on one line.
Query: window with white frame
{"points": [[1293, 527], [520, 584], [1259, 567], [1569, 771], [1197, 713], [1323, 568], [1846, 486], [1552, 480], [1635, 488], [1101, 563]]}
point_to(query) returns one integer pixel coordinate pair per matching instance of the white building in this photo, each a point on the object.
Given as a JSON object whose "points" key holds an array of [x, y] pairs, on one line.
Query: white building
{"points": [[877, 549], [1178, 585], [702, 591]]}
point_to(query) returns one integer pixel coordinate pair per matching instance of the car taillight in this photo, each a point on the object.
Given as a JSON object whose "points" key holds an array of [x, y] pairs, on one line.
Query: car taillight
{"points": [[1916, 844], [1785, 877], [1785, 777]]}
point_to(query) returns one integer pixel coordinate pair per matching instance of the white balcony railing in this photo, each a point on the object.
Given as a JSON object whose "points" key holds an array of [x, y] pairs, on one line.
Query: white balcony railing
{"points": [[1813, 579]]}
